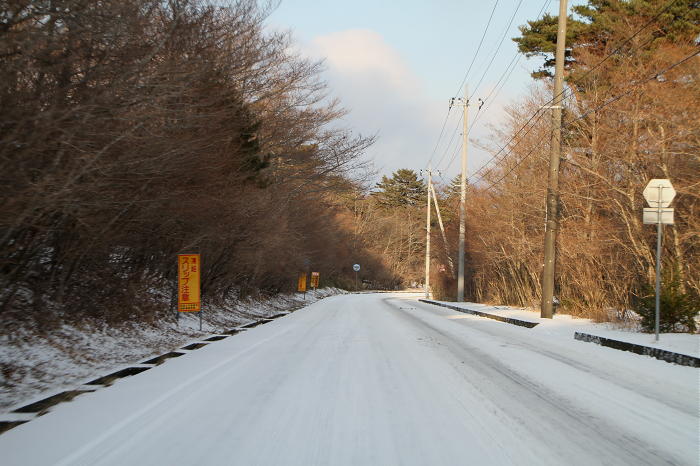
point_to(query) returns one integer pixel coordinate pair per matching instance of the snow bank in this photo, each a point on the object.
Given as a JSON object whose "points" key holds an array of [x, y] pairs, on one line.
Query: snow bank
{"points": [[33, 365], [564, 326]]}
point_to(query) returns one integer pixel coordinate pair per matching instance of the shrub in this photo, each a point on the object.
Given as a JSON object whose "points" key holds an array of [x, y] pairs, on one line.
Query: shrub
{"points": [[678, 308]]}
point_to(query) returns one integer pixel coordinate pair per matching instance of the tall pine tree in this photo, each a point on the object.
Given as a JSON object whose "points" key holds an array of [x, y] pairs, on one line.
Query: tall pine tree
{"points": [[403, 189]]}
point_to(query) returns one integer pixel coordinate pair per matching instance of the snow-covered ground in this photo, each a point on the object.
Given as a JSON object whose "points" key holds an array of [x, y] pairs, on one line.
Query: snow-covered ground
{"points": [[34, 366], [379, 379], [564, 326]]}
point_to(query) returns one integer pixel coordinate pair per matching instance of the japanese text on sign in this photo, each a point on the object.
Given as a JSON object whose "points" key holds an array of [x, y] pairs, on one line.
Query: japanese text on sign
{"points": [[188, 295]]}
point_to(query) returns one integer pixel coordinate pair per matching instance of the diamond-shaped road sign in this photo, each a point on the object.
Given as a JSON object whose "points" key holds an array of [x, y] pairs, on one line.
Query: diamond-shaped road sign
{"points": [[659, 192]]}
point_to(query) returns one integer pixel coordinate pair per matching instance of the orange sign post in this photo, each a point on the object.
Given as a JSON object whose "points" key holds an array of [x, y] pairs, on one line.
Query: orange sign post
{"points": [[188, 290], [301, 284]]}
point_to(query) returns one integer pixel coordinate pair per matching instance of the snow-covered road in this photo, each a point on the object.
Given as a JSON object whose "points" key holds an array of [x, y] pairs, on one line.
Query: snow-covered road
{"points": [[379, 379]]}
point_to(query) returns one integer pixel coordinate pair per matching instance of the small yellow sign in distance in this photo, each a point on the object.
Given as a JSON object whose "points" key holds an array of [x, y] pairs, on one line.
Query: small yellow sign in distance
{"points": [[188, 290], [314, 279], [301, 286]]}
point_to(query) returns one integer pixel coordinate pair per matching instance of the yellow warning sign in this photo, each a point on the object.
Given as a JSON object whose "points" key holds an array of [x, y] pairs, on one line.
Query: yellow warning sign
{"points": [[188, 273], [314, 279], [301, 286]]}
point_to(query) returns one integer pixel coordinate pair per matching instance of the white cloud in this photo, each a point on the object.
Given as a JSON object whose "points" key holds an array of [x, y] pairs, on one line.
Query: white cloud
{"points": [[362, 52], [383, 95], [387, 98]]}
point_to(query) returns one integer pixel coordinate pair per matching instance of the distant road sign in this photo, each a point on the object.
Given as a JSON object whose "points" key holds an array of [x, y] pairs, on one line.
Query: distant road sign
{"points": [[356, 267], [301, 283], [314, 279], [659, 192]]}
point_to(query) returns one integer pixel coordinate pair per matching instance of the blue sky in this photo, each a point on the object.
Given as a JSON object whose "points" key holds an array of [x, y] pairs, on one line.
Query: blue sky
{"points": [[395, 65]]}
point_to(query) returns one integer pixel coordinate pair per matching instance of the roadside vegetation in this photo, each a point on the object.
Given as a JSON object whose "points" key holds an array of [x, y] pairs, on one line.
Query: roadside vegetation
{"points": [[630, 115], [135, 130]]}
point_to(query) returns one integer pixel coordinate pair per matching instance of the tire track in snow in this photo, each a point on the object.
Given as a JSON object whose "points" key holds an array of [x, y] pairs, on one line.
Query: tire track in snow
{"points": [[552, 418], [653, 392]]}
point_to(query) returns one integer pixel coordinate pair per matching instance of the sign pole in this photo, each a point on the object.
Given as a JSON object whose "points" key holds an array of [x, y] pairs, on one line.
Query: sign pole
{"points": [[659, 233], [356, 268], [659, 200]]}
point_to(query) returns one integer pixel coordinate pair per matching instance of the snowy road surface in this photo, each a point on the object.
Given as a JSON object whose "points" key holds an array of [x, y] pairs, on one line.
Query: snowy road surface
{"points": [[379, 379]]}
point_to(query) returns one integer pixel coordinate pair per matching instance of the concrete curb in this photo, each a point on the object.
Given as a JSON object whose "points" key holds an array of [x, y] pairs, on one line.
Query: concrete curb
{"points": [[507, 320], [664, 355]]}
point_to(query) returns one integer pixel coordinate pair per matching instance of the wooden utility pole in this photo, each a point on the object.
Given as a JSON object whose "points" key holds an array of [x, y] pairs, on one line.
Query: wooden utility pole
{"points": [[552, 224], [463, 198], [427, 238]]}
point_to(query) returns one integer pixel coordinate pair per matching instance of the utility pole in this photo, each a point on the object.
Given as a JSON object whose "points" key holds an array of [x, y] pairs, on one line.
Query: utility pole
{"points": [[551, 226], [464, 102], [427, 238]]}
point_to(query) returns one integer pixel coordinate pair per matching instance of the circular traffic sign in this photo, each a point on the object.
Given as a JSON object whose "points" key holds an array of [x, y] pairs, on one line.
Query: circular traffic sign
{"points": [[356, 267]]}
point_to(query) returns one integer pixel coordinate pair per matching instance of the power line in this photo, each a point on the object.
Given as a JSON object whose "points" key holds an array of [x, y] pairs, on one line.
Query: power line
{"points": [[442, 130], [454, 155], [656, 75], [506, 73], [631, 88], [503, 78], [483, 35], [564, 95], [495, 53], [661, 11], [449, 144], [495, 156]]}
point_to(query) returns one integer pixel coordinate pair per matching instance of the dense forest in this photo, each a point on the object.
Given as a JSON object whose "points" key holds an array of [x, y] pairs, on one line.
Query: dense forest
{"points": [[134, 130]]}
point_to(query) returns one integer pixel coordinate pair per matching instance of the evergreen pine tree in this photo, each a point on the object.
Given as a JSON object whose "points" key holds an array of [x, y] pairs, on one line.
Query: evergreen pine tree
{"points": [[594, 31], [403, 189]]}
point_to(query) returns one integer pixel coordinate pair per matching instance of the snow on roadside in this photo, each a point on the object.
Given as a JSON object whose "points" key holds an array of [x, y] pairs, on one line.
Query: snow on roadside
{"points": [[564, 326], [33, 366]]}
